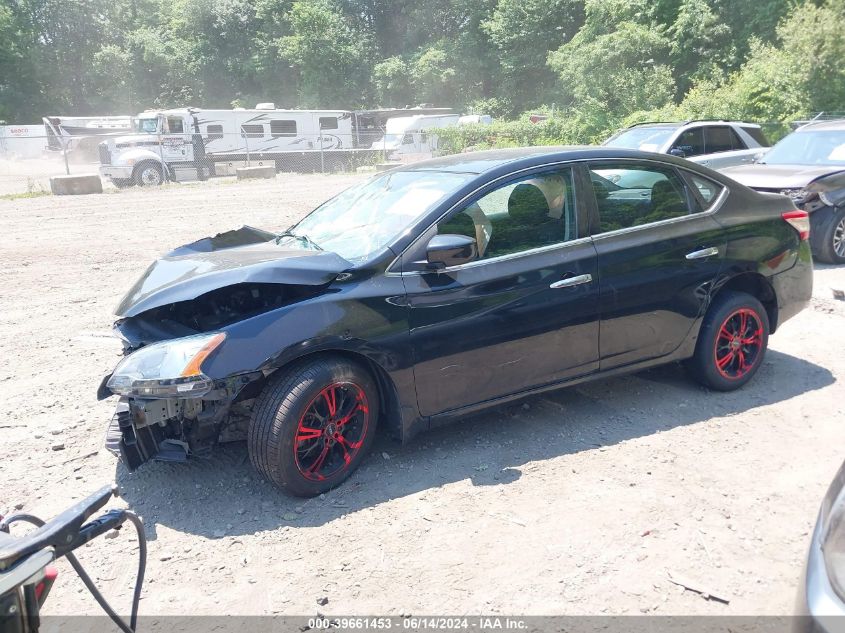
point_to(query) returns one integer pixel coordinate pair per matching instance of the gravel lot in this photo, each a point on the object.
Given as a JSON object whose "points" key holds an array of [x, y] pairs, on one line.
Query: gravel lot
{"points": [[580, 501]]}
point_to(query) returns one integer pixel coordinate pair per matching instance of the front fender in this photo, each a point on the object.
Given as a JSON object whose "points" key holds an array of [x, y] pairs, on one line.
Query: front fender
{"points": [[136, 155], [368, 319], [831, 189]]}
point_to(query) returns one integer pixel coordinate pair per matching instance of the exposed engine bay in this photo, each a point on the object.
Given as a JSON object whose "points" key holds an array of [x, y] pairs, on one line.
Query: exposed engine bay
{"points": [[208, 312]]}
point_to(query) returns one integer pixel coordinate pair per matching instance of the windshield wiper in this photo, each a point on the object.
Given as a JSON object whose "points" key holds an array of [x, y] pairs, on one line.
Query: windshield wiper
{"points": [[301, 238]]}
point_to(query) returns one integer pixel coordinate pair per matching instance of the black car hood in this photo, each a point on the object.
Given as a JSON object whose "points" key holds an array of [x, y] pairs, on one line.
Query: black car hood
{"points": [[774, 177], [240, 256]]}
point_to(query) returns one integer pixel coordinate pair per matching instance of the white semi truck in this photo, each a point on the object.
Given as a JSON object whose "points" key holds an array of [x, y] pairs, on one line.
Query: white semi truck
{"points": [[193, 143]]}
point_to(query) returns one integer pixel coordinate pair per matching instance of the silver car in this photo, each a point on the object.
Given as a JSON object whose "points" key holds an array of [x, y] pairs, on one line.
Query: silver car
{"points": [[821, 595], [714, 144], [809, 167]]}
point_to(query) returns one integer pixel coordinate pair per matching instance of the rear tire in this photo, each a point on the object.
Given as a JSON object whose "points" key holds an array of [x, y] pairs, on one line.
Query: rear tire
{"points": [[313, 424], [732, 342], [831, 241]]}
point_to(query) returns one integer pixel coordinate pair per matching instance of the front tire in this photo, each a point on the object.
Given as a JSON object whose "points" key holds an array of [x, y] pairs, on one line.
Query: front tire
{"points": [[149, 174], [313, 424], [732, 342]]}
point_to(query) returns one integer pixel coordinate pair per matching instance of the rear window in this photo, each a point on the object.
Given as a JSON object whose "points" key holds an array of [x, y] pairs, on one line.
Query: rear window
{"points": [[757, 134]]}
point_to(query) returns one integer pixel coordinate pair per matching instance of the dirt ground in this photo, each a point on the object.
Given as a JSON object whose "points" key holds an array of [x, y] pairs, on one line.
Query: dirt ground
{"points": [[582, 501]]}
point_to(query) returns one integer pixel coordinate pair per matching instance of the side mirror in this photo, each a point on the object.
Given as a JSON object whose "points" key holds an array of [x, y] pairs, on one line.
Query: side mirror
{"points": [[758, 157], [450, 250], [677, 152]]}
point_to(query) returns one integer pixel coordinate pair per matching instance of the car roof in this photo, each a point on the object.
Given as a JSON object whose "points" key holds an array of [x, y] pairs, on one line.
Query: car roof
{"points": [[693, 123], [816, 126], [484, 161]]}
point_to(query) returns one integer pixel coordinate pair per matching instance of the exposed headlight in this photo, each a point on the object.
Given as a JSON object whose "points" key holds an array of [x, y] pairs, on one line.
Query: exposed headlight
{"points": [[170, 369], [833, 533]]}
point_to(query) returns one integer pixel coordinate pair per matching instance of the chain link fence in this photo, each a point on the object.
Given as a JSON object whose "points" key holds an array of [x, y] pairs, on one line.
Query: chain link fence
{"points": [[28, 159], [31, 154]]}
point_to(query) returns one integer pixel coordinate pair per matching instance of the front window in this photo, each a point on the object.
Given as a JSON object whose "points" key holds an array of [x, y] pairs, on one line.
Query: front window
{"points": [[646, 139], [148, 125], [524, 214], [364, 219], [809, 148]]}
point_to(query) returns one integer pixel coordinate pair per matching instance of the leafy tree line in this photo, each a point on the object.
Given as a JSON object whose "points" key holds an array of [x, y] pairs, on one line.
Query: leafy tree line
{"points": [[594, 64]]}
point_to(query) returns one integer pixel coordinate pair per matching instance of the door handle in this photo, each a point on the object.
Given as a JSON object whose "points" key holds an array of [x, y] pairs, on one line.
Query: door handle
{"points": [[572, 281], [704, 252]]}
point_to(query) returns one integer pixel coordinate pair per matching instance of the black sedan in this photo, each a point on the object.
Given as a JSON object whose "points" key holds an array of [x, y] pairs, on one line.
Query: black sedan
{"points": [[439, 288]]}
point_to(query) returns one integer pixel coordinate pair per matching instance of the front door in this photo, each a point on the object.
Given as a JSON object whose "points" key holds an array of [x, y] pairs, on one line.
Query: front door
{"points": [[176, 141], [659, 251], [524, 314]]}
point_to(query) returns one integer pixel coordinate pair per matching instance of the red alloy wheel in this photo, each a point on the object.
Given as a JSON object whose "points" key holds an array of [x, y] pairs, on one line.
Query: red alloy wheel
{"points": [[331, 431], [739, 343]]}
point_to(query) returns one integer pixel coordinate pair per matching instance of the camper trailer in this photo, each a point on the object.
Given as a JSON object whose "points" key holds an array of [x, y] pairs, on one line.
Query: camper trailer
{"points": [[369, 125], [417, 134], [188, 143]]}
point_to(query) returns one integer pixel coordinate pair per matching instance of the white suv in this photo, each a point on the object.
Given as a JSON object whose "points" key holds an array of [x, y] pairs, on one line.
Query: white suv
{"points": [[715, 144]]}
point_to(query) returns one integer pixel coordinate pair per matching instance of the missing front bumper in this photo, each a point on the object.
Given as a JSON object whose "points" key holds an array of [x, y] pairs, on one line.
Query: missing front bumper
{"points": [[136, 446]]}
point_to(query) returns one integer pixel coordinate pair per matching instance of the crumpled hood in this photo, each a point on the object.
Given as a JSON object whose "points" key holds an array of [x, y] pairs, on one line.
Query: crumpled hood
{"points": [[762, 176], [240, 256]]}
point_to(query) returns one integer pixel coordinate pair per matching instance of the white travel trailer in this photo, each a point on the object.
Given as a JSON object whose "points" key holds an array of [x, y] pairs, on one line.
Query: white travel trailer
{"points": [[417, 134], [190, 143]]}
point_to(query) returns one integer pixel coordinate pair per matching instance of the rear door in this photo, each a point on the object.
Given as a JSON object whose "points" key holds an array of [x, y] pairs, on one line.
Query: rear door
{"points": [[659, 250], [524, 314]]}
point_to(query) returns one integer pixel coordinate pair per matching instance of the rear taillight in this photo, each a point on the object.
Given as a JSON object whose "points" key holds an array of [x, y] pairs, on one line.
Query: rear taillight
{"points": [[800, 221]]}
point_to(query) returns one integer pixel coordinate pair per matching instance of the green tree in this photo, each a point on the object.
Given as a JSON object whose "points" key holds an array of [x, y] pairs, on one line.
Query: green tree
{"points": [[611, 69], [392, 79], [524, 32], [331, 57]]}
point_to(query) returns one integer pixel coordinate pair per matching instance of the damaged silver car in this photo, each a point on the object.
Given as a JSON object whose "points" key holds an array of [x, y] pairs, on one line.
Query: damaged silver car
{"points": [[809, 167]]}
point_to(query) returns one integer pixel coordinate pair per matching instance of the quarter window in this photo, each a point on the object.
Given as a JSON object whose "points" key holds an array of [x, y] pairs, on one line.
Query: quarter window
{"points": [[282, 128], [633, 194], [524, 214], [757, 134], [707, 189]]}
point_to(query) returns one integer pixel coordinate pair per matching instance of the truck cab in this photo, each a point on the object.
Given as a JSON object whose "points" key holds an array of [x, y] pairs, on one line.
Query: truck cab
{"points": [[161, 142]]}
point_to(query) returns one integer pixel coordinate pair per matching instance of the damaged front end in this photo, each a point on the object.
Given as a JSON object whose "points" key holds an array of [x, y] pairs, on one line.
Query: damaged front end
{"points": [[177, 397], [169, 408]]}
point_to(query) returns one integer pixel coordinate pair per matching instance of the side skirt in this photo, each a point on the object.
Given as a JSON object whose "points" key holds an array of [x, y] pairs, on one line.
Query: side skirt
{"points": [[686, 350]]}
